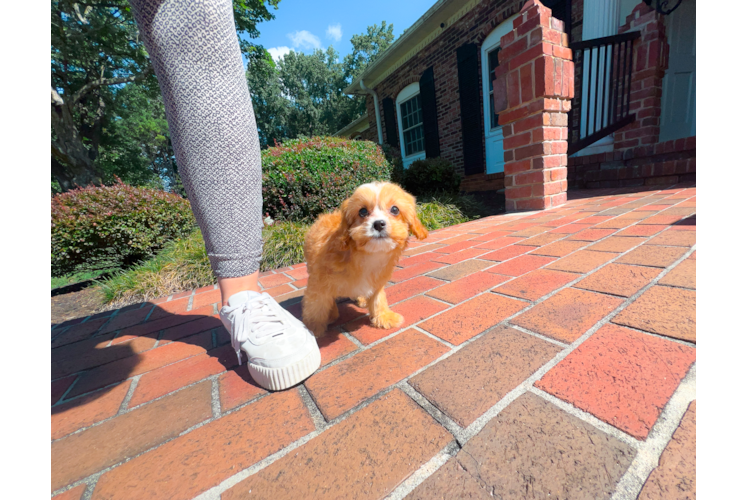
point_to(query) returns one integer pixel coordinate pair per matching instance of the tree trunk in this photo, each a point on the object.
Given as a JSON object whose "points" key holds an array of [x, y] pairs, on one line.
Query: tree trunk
{"points": [[71, 162]]}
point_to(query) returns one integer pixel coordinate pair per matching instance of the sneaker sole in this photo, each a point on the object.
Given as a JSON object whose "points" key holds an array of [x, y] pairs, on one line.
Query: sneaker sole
{"points": [[277, 379]]}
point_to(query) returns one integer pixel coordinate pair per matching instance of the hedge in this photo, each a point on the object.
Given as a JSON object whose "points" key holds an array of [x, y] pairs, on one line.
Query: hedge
{"points": [[114, 226]]}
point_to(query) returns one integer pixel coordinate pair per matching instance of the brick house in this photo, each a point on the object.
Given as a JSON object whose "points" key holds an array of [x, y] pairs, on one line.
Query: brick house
{"points": [[606, 87]]}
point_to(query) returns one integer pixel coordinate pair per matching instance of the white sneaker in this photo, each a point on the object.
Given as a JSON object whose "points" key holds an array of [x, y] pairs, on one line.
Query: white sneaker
{"points": [[281, 351]]}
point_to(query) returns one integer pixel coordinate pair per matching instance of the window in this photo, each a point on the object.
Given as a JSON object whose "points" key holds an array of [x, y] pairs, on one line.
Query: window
{"points": [[412, 125], [493, 61]]}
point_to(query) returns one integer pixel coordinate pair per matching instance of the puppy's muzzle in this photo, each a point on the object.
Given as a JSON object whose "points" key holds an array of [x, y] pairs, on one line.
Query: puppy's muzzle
{"points": [[380, 228]]}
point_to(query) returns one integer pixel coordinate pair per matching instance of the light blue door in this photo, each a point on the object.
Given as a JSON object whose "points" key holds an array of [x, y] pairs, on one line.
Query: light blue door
{"points": [[494, 134], [679, 85]]}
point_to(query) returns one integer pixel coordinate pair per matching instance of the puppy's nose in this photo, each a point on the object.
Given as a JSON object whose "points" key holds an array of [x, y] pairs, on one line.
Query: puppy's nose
{"points": [[379, 225]]}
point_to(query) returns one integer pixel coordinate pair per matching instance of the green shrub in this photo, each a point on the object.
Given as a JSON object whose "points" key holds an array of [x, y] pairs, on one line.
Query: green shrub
{"points": [[442, 210], [303, 178], [431, 175], [396, 163], [105, 227]]}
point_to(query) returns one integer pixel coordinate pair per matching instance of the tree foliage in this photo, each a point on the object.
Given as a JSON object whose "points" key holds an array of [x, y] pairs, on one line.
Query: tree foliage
{"points": [[97, 54], [301, 95]]}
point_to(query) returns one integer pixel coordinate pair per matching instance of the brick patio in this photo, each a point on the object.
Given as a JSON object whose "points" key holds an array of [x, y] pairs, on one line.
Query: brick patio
{"points": [[543, 355]]}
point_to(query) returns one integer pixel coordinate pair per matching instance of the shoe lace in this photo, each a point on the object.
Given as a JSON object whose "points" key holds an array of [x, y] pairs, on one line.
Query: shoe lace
{"points": [[256, 316]]}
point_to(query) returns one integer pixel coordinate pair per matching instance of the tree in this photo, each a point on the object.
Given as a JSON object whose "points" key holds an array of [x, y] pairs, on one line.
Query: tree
{"points": [[302, 95], [96, 53], [367, 47], [135, 146]]}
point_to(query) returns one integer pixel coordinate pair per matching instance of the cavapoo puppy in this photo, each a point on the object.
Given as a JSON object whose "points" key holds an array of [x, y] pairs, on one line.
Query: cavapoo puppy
{"points": [[352, 251]]}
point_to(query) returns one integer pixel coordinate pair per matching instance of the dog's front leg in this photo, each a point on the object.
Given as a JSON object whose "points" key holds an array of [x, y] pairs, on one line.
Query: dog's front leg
{"points": [[317, 310], [380, 313]]}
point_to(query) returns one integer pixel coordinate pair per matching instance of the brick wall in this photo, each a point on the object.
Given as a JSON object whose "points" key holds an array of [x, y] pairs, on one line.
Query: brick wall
{"points": [[474, 27], [649, 65], [638, 158], [664, 163], [532, 91]]}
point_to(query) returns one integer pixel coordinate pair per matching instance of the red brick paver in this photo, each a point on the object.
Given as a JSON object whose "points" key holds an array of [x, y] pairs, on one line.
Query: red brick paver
{"points": [[664, 310], [621, 376], [532, 447], [366, 456], [80, 455], [472, 317], [149, 402], [192, 463], [467, 384], [87, 410], [567, 315], [350, 382], [675, 476]]}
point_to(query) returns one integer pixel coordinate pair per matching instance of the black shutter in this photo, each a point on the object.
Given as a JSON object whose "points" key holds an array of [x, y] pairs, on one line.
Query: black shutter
{"points": [[468, 77], [428, 109], [389, 121]]}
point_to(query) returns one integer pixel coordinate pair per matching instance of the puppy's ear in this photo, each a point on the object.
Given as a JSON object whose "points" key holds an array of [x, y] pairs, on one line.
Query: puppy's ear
{"points": [[414, 224], [342, 236]]}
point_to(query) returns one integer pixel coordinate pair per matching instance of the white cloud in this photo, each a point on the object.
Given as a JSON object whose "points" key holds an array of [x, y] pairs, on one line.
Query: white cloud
{"points": [[305, 40], [278, 52], [335, 31]]}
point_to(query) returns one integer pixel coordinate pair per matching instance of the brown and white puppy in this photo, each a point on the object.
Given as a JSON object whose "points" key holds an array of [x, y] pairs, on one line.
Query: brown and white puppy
{"points": [[352, 252]]}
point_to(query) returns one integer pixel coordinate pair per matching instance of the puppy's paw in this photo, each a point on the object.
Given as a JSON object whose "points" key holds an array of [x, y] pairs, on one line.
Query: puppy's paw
{"points": [[314, 325], [317, 330], [387, 320], [361, 302]]}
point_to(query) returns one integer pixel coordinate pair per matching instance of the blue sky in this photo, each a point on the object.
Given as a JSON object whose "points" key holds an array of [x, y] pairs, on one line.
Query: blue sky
{"points": [[303, 25]]}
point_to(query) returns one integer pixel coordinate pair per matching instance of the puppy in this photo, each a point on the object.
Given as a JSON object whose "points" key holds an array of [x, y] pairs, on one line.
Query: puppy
{"points": [[352, 251]]}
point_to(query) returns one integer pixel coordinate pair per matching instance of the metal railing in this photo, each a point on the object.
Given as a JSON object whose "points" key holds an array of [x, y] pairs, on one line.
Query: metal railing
{"points": [[603, 86]]}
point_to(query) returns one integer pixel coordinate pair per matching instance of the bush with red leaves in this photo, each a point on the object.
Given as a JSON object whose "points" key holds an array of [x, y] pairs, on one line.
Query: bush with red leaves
{"points": [[114, 226]]}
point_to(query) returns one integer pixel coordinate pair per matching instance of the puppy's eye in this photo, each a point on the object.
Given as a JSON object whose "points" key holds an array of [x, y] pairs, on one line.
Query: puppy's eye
{"points": [[363, 212], [394, 210]]}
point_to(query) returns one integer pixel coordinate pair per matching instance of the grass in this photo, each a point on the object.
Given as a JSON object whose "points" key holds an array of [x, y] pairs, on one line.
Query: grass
{"points": [[71, 279], [183, 264], [442, 210]]}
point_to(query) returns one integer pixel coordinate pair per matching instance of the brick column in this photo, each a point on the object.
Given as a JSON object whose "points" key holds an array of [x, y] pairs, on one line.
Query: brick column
{"points": [[532, 94], [650, 59]]}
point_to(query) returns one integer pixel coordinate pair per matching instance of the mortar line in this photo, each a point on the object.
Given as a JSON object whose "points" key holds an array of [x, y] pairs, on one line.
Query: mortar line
{"points": [[442, 418], [314, 412], [546, 338], [353, 339], [128, 396], [685, 343], [648, 455], [588, 417], [215, 397], [424, 471]]}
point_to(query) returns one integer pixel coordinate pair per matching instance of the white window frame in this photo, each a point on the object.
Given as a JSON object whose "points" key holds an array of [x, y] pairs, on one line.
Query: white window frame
{"points": [[405, 94]]}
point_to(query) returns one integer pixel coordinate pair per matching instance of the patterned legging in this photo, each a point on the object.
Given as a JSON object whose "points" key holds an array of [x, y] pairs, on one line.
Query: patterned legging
{"points": [[194, 49]]}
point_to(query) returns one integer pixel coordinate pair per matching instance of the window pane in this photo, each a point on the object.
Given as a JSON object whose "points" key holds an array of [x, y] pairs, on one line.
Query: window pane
{"points": [[412, 124], [493, 62]]}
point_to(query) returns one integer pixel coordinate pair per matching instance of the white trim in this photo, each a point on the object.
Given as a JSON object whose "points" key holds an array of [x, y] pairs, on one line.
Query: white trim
{"points": [[492, 41], [408, 92]]}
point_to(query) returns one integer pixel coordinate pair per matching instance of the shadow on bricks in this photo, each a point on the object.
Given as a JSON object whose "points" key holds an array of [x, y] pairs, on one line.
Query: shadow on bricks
{"points": [[94, 362]]}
